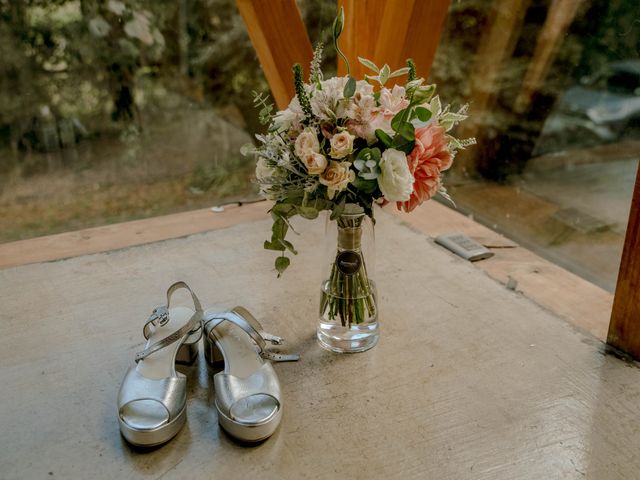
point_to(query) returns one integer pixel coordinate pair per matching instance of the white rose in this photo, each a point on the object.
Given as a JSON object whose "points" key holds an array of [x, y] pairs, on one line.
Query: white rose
{"points": [[315, 163], [336, 177], [307, 142], [395, 179], [341, 144]]}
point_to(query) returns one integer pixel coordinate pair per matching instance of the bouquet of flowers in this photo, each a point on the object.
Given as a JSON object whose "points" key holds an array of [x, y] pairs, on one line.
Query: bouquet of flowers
{"points": [[344, 143]]}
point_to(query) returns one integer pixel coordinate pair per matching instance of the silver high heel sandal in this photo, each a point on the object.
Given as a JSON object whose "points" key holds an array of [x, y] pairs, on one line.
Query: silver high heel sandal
{"points": [[248, 396], [152, 398]]}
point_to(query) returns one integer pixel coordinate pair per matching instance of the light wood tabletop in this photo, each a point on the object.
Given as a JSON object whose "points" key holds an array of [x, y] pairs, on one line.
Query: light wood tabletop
{"points": [[469, 381]]}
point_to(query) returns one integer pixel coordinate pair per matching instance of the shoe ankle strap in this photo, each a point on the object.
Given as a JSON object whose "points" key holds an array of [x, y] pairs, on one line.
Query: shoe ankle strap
{"points": [[242, 318], [160, 317]]}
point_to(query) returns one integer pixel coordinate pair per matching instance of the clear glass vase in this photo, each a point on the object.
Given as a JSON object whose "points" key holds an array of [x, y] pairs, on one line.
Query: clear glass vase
{"points": [[348, 301]]}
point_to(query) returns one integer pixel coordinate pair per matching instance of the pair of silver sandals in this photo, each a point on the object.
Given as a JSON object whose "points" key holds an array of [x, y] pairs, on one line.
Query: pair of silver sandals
{"points": [[153, 395]]}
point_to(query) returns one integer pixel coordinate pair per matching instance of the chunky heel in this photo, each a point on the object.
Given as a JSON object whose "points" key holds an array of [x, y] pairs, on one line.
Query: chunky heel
{"points": [[212, 353], [152, 398], [187, 354], [248, 394]]}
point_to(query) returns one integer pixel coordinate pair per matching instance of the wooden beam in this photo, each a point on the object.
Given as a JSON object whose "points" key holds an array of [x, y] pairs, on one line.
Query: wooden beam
{"points": [[624, 329], [280, 39], [561, 14], [411, 29], [390, 32], [495, 47], [362, 20]]}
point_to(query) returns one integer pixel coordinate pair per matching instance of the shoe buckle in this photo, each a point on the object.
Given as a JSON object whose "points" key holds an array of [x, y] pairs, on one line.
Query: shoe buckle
{"points": [[160, 316], [280, 357], [273, 339]]}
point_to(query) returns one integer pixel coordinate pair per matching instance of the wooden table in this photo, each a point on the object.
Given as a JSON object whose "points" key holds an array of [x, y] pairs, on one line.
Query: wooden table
{"points": [[469, 380]]}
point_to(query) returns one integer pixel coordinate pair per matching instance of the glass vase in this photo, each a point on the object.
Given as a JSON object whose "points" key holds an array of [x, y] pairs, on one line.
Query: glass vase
{"points": [[348, 301]]}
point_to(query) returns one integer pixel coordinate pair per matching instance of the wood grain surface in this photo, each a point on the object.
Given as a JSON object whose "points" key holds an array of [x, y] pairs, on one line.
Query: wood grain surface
{"points": [[280, 39], [624, 329]]}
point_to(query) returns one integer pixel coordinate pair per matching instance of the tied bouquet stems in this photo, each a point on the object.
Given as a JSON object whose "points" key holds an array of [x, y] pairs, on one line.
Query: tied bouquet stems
{"points": [[346, 142], [348, 294]]}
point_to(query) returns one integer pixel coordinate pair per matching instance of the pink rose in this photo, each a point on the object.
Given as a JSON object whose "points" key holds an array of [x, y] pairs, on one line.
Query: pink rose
{"points": [[428, 159]]}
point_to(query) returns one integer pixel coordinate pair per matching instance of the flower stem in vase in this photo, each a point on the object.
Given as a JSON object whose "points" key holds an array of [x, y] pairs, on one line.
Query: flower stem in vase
{"points": [[349, 296]]}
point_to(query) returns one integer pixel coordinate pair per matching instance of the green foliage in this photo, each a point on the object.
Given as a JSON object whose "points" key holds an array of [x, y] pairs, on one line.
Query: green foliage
{"points": [[338, 25], [412, 74], [315, 69], [350, 88], [303, 98]]}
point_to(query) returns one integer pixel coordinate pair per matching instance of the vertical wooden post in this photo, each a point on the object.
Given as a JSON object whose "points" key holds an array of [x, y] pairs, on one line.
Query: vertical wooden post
{"points": [[390, 32], [495, 47], [411, 29], [624, 329], [561, 14], [280, 40], [362, 19]]}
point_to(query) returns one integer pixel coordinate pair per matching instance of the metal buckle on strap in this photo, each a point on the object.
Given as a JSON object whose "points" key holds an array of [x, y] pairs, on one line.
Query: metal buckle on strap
{"points": [[159, 316], [273, 339], [279, 357]]}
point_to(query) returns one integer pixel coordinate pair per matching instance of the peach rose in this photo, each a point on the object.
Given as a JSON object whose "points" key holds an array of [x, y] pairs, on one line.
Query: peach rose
{"points": [[341, 144], [428, 159], [336, 177]]}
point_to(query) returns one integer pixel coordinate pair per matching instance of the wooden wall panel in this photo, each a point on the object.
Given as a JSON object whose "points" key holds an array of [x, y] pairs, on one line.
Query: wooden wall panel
{"points": [[624, 329], [280, 39], [391, 32], [360, 33], [411, 29]]}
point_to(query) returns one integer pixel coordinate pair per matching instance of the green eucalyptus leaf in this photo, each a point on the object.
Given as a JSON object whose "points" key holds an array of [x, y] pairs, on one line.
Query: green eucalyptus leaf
{"points": [[423, 114], [273, 246], [289, 246], [350, 88], [281, 264], [308, 212], [279, 229], [400, 118], [384, 138], [402, 144], [407, 131]]}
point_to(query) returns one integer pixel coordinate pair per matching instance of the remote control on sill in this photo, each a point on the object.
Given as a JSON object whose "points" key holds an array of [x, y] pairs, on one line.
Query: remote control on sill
{"points": [[464, 247]]}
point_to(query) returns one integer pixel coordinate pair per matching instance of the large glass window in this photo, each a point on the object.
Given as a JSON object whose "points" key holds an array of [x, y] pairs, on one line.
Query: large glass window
{"points": [[554, 88]]}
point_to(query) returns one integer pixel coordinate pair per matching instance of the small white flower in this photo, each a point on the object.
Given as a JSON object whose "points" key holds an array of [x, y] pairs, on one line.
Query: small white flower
{"points": [[341, 145], [392, 101], [395, 179], [315, 163], [263, 170], [307, 142], [336, 177], [325, 102]]}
